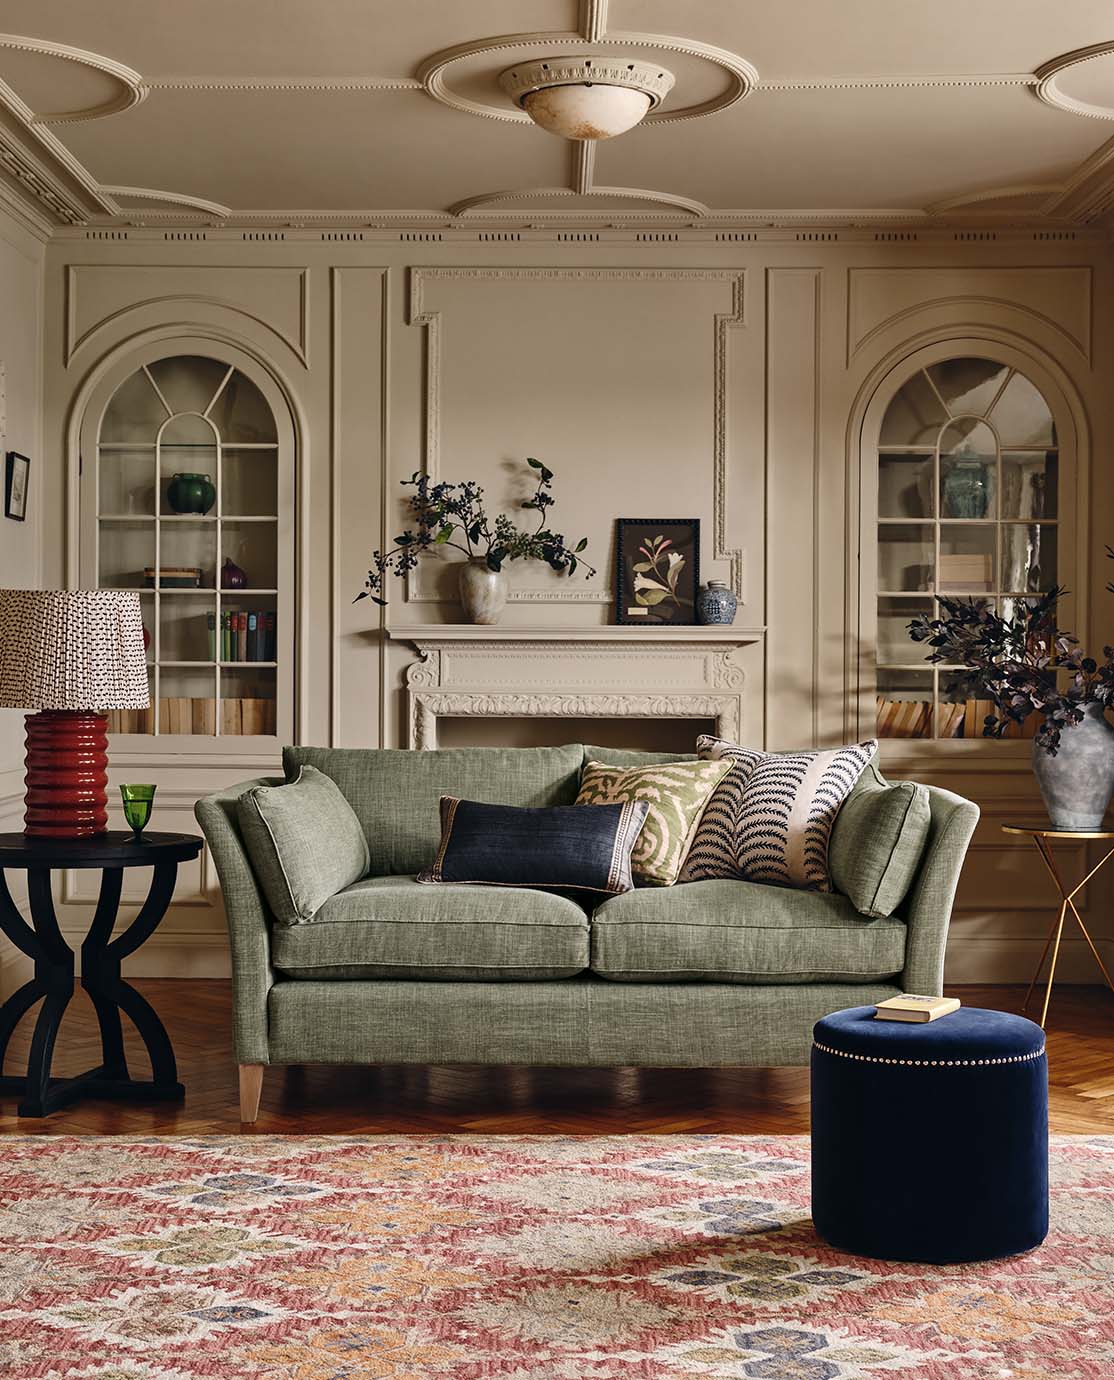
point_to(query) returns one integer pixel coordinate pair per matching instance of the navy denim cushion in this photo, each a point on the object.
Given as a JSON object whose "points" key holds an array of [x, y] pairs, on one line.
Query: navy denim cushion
{"points": [[566, 847]]}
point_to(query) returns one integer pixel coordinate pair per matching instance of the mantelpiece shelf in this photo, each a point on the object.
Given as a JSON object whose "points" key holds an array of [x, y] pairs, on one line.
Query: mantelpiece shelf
{"points": [[609, 632]]}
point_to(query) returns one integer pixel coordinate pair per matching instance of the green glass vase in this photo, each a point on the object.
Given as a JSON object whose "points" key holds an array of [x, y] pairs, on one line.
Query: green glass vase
{"points": [[138, 803]]}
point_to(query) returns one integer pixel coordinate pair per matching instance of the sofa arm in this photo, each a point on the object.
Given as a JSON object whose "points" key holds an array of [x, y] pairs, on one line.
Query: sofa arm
{"points": [[928, 906], [249, 919]]}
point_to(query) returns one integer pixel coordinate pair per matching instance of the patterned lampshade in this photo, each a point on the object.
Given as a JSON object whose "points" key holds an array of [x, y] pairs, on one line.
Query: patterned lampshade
{"points": [[72, 649]]}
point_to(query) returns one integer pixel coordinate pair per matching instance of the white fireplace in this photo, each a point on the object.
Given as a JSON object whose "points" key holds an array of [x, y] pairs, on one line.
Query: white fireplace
{"points": [[629, 673]]}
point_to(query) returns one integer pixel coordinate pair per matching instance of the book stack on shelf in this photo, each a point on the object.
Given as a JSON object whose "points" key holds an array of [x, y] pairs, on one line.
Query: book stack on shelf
{"points": [[904, 718], [244, 635], [955, 719], [178, 714]]}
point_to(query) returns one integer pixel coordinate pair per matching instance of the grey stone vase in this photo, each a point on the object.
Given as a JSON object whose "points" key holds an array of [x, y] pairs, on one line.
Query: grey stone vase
{"points": [[483, 592], [1076, 784]]}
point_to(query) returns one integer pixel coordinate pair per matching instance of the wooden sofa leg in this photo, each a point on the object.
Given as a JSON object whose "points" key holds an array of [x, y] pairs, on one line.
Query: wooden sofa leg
{"points": [[251, 1089]]}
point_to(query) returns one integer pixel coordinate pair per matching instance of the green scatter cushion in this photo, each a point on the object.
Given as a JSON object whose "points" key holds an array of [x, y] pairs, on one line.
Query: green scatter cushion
{"points": [[877, 842], [304, 841]]}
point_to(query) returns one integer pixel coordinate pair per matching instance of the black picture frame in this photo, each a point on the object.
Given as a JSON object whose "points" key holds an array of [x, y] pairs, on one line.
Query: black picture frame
{"points": [[649, 542], [17, 479]]}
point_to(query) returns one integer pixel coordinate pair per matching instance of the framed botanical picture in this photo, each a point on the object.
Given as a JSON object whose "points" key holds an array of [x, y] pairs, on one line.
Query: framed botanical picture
{"points": [[16, 476], [657, 570]]}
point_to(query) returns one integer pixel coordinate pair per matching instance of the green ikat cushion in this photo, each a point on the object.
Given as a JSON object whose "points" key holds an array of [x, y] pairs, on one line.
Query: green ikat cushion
{"points": [[304, 841], [677, 794]]}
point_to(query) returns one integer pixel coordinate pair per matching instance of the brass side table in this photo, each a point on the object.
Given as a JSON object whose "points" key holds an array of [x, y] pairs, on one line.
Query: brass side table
{"points": [[1043, 837]]}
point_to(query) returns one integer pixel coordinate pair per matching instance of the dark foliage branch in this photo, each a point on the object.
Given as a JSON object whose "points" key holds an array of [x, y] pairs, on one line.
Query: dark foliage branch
{"points": [[1023, 665], [454, 515]]}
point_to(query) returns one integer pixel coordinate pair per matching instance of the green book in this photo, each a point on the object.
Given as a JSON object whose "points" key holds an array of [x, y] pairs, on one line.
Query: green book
{"points": [[211, 629]]}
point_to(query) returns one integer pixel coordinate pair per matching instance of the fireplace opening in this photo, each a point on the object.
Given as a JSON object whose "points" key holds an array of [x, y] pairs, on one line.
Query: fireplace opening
{"points": [[648, 735]]}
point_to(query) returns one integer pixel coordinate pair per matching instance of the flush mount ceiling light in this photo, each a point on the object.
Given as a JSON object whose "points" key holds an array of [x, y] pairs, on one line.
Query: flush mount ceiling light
{"points": [[586, 97]]}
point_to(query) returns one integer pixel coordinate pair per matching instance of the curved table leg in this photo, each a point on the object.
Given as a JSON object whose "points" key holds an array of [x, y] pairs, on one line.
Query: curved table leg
{"points": [[36, 1096], [115, 1064], [13, 1011], [53, 982], [110, 993]]}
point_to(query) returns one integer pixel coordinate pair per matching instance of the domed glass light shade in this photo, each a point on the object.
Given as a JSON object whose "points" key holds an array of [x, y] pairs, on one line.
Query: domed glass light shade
{"points": [[586, 97]]}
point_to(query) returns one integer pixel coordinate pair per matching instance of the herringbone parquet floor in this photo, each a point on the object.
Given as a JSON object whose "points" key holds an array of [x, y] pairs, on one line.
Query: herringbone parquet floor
{"points": [[523, 1100]]}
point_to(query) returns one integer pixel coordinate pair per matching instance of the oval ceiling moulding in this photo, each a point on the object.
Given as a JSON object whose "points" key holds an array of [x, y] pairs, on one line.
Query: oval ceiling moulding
{"points": [[436, 71], [1049, 89], [132, 88]]}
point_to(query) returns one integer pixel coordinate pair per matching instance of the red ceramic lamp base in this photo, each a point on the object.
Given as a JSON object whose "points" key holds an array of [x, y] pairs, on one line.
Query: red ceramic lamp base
{"points": [[67, 774]]}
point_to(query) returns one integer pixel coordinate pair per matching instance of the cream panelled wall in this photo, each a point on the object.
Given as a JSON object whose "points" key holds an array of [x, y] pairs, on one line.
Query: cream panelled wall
{"points": [[21, 352], [740, 378]]}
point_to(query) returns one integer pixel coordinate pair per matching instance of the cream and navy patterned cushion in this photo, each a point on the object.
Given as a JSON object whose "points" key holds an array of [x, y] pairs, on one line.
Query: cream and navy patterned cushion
{"points": [[771, 817], [677, 794]]}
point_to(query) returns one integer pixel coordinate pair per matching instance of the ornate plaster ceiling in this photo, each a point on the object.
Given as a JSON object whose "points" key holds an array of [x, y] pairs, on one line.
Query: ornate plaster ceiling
{"points": [[369, 112]]}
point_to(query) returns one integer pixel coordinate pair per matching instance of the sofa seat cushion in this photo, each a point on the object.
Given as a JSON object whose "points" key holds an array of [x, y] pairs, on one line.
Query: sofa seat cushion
{"points": [[392, 927], [727, 931]]}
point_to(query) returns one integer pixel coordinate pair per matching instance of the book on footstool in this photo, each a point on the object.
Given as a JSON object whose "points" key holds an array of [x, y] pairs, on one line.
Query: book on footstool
{"points": [[911, 1008]]}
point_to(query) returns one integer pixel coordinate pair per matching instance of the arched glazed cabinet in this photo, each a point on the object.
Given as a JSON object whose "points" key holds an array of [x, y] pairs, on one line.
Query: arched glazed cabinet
{"points": [[969, 492], [187, 495]]}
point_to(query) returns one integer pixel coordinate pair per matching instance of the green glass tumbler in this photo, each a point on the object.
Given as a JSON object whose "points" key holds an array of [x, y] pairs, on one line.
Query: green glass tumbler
{"points": [[138, 801]]}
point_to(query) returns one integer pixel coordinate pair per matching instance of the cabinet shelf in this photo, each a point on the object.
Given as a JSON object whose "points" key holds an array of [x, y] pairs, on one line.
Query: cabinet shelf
{"points": [[196, 519], [180, 414]]}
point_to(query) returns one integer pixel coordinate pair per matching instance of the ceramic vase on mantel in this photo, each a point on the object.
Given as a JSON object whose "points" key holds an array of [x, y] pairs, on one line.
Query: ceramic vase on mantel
{"points": [[1076, 784], [483, 591], [716, 604]]}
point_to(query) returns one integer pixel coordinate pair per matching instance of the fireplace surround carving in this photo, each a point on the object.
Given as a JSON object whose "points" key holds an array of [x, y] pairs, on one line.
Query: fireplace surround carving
{"points": [[576, 673]]}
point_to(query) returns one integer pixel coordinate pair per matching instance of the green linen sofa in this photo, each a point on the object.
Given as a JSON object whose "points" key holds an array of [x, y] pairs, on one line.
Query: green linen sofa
{"points": [[709, 973]]}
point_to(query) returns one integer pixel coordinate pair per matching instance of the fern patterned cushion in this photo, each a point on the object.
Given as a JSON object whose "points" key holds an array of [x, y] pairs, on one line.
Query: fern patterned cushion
{"points": [[771, 817], [676, 793]]}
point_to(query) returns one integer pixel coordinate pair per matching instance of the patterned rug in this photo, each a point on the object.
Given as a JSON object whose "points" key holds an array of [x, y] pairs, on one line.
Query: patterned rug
{"points": [[510, 1258]]}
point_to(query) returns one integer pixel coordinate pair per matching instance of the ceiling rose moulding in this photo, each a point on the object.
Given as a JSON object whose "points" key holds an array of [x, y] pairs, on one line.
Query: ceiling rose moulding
{"points": [[1047, 82], [131, 92], [435, 71]]}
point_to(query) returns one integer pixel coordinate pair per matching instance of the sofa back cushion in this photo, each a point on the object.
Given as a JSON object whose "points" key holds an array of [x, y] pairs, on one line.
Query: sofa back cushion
{"points": [[304, 841], [878, 840], [396, 793], [632, 757]]}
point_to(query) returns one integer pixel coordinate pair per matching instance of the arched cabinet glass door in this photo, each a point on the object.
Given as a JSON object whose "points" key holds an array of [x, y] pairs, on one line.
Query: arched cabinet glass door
{"points": [[969, 500], [187, 497]]}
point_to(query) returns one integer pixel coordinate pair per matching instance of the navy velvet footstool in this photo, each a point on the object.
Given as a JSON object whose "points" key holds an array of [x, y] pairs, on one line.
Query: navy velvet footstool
{"points": [[930, 1141]]}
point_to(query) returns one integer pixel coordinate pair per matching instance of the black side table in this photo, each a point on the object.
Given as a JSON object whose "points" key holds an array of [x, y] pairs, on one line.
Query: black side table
{"points": [[101, 957]]}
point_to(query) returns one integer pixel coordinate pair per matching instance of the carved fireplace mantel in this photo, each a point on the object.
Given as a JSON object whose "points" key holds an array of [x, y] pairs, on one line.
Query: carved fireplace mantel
{"points": [[577, 672]]}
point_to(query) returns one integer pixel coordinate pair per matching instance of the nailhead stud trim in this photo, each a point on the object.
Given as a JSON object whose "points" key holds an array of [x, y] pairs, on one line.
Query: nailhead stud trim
{"points": [[932, 1063]]}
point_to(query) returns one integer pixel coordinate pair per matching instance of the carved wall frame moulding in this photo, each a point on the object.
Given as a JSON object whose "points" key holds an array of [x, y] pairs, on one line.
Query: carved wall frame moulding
{"points": [[430, 321]]}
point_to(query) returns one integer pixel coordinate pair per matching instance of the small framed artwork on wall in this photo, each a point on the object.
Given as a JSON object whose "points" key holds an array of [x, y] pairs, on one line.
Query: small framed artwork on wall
{"points": [[17, 473], [657, 570]]}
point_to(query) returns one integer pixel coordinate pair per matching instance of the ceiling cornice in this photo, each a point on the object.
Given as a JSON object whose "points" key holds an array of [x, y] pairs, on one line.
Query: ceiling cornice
{"points": [[41, 171]]}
